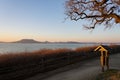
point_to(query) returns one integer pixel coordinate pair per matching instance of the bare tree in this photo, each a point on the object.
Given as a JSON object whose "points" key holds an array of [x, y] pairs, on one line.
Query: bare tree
{"points": [[98, 11]]}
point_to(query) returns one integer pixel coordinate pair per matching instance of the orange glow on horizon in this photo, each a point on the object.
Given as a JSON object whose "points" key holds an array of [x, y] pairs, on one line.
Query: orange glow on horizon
{"points": [[8, 38]]}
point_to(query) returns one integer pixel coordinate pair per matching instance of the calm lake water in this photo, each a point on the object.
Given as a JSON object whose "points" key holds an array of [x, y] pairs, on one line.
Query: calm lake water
{"points": [[21, 47]]}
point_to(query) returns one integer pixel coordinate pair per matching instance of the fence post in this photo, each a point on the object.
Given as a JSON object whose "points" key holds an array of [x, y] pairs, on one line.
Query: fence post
{"points": [[43, 63], [68, 56]]}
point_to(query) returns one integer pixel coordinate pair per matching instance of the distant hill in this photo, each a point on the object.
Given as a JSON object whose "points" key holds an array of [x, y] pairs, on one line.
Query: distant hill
{"points": [[34, 41], [1, 42], [27, 41]]}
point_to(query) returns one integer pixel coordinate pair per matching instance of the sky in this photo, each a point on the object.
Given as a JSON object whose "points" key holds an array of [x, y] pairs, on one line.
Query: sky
{"points": [[44, 20]]}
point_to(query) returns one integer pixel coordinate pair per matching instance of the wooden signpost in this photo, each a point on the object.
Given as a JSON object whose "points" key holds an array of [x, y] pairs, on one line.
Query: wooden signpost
{"points": [[104, 58]]}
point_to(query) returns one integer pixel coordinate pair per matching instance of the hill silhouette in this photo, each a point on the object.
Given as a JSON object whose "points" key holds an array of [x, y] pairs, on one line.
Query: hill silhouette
{"points": [[27, 41]]}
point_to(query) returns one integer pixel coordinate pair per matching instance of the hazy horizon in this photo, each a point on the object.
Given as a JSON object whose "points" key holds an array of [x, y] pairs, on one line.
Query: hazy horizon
{"points": [[43, 20], [58, 41]]}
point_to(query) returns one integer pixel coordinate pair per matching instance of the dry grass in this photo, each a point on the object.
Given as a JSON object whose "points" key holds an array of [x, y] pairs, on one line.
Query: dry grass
{"points": [[85, 49], [30, 63], [40, 53], [27, 57], [111, 74]]}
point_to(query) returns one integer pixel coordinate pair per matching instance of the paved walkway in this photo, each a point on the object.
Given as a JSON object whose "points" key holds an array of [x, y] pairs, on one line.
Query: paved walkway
{"points": [[86, 70]]}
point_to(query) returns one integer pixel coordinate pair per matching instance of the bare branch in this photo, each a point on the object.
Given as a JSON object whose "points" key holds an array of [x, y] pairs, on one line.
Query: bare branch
{"points": [[99, 11]]}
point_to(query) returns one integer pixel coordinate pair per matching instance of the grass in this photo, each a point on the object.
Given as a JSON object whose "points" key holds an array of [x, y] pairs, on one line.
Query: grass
{"points": [[22, 65], [112, 74], [36, 56]]}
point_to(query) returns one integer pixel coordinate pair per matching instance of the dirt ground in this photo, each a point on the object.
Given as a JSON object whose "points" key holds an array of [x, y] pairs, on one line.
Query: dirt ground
{"points": [[85, 70]]}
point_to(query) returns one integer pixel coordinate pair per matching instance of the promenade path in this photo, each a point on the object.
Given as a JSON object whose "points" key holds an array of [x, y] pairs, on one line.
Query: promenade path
{"points": [[85, 70]]}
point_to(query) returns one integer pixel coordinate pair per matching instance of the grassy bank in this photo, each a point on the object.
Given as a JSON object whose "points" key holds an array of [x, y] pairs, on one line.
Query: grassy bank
{"points": [[21, 65]]}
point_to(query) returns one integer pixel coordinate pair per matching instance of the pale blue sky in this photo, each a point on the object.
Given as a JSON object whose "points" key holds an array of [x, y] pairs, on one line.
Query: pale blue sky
{"points": [[42, 20]]}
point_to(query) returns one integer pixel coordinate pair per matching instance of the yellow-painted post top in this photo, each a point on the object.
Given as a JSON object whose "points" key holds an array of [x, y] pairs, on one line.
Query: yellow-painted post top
{"points": [[100, 48]]}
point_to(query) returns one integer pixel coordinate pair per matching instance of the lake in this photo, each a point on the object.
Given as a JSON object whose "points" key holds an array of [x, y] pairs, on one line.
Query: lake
{"points": [[26, 47]]}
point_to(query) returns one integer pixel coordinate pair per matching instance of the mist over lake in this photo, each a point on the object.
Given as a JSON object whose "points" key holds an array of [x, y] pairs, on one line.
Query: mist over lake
{"points": [[27, 47]]}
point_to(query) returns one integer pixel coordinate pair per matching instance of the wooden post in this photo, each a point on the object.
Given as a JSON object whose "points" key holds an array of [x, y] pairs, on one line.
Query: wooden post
{"points": [[68, 56], [104, 58], [43, 67], [107, 60]]}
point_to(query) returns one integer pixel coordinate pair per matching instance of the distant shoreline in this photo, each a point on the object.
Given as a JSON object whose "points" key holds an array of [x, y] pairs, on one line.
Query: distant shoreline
{"points": [[62, 42]]}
